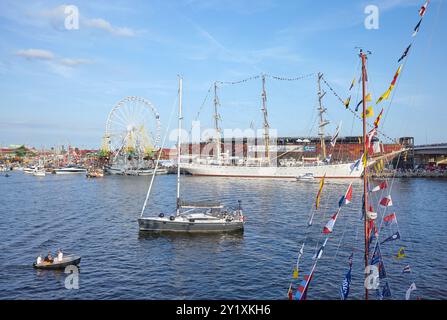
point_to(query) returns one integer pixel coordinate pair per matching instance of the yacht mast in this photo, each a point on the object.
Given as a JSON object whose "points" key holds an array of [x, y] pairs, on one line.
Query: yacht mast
{"points": [[266, 123], [323, 122], [216, 122], [180, 91], [365, 169]]}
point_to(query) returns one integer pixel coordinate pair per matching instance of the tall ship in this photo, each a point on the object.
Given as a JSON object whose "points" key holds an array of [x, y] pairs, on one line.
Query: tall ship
{"points": [[280, 159]]}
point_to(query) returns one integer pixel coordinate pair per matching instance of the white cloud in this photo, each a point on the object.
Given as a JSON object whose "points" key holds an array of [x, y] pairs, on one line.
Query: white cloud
{"points": [[99, 23], [35, 54]]}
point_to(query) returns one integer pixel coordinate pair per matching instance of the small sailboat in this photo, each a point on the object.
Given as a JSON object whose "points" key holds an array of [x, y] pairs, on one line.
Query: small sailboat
{"points": [[197, 217]]}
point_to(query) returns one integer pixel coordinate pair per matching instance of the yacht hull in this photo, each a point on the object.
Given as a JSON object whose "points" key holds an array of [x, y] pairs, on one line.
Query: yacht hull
{"points": [[165, 225], [341, 171]]}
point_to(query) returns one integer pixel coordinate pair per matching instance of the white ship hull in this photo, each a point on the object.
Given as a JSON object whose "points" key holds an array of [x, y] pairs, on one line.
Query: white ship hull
{"points": [[340, 171]]}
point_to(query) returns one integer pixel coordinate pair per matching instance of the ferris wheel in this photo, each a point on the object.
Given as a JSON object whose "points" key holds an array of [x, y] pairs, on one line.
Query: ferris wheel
{"points": [[132, 127]]}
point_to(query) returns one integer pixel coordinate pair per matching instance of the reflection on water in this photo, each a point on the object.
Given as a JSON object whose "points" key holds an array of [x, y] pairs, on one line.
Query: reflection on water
{"points": [[97, 219]]}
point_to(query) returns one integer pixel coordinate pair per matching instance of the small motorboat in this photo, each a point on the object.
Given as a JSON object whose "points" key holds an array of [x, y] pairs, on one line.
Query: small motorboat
{"points": [[56, 264], [306, 177]]}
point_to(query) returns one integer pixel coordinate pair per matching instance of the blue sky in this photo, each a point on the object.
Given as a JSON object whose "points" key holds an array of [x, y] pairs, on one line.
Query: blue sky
{"points": [[59, 85]]}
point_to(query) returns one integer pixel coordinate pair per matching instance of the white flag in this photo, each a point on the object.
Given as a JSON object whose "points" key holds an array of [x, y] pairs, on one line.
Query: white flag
{"points": [[410, 289]]}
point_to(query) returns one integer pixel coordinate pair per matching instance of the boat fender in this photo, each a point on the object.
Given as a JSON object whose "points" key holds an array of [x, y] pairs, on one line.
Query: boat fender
{"points": [[172, 218], [161, 215]]}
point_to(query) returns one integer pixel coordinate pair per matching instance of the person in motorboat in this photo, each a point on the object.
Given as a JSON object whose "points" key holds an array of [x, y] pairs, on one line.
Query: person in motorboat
{"points": [[49, 258], [60, 255], [39, 259]]}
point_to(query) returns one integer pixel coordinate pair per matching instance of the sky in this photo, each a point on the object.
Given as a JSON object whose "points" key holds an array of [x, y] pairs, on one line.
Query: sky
{"points": [[59, 85]]}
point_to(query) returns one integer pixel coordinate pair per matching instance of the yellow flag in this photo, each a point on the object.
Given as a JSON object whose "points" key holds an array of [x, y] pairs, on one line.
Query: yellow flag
{"points": [[347, 102], [368, 97], [365, 159], [317, 201], [295, 273], [386, 95], [401, 253], [369, 112]]}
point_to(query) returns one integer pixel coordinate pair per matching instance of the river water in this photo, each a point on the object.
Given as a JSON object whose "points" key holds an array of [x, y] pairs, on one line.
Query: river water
{"points": [[97, 219]]}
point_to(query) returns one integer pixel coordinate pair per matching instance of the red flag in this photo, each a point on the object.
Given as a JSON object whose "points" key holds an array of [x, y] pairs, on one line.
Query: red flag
{"points": [[423, 8], [348, 197], [377, 121], [381, 186], [390, 218], [330, 225], [386, 202]]}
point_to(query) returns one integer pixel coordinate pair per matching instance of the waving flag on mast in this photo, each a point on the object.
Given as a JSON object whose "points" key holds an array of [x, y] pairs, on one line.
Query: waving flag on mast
{"points": [[301, 292], [381, 186]]}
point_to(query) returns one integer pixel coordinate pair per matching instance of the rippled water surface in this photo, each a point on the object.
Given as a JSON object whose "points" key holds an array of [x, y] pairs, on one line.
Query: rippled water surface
{"points": [[97, 219]]}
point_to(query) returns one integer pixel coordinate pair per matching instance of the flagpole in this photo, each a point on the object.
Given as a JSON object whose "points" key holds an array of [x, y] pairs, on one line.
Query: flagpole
{"points": [[365, 169]]}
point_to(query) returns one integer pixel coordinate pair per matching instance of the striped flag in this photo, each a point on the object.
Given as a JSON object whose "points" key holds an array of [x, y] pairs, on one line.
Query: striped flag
{"points": [[406, 269], [381, 186], [330, 225], [423, 8], [377, 121], [386, 202], [301, 292]]}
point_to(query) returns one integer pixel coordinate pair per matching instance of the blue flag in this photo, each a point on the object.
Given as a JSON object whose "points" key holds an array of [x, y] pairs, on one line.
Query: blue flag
{"points": [[393, 237], [344, 289]]}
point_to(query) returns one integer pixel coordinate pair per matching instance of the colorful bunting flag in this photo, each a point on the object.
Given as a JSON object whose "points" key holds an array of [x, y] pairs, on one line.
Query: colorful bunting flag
{"points": [[369, 112], [381, 186], [404, 54], [390, 218], [317, 201], [393, 237], [386, 202], [330, 225], [290, 292], [295, 273], [344, 289], [410, 290], [406, 269], [401, 253], [352, 84], [377, 121], [386, 95], [416, 29], [320, 251], [335, 136], [386, 292], [301, 292], [423, 8], [347, 102]]}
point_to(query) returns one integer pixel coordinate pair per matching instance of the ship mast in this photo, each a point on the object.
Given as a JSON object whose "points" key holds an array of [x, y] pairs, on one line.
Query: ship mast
{"points": [[365, 169], [216, 123], [180, 91], [266, 123], [323, 122]]}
